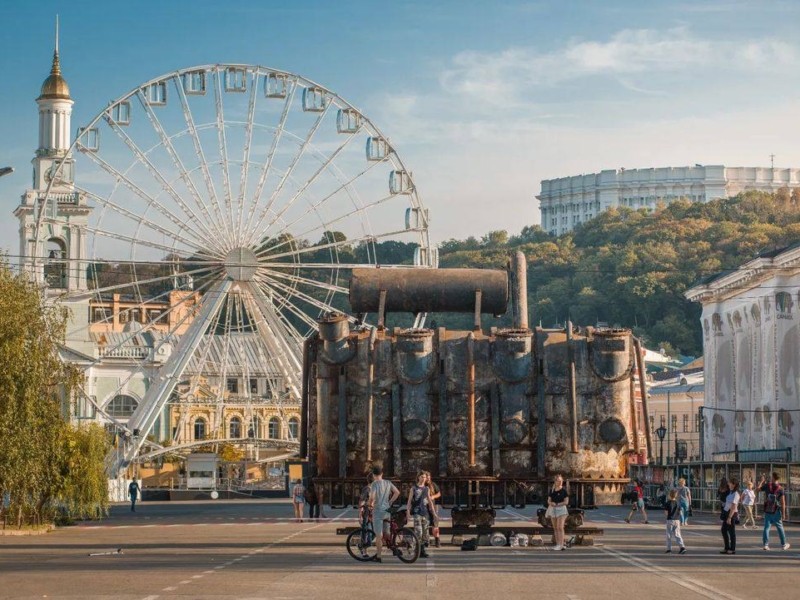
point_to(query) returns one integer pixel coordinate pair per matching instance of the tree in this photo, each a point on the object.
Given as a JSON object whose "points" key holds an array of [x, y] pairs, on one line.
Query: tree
{"points": [[44, 462]]}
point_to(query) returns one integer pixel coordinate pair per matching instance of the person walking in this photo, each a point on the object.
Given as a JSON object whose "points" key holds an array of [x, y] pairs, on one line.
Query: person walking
{"points": [[684, 500], [557, 499], [638, 504], [418, 511], [312, 499], [298, 499], [382, 494], [730, 516], [133, 493], [434, 493], [748, 503], [774, 509], [672, 508]]}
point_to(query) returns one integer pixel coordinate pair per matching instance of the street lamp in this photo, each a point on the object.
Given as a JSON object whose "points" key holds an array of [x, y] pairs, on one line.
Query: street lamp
{"points": [[6, 171], [661, 432]]}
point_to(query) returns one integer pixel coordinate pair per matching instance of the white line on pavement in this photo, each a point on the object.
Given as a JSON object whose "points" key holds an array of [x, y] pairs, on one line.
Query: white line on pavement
{"points": [[150, 597], [698, 587]]}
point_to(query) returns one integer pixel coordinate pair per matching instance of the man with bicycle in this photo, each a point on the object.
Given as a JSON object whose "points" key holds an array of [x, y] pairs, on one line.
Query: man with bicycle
{"points": [[382, 495]]}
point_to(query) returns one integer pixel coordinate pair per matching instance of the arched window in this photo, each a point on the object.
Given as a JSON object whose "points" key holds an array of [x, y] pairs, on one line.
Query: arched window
{"points": [[274, 428], [255, 427], [294, 428], [200, 428], [122, 406], [55, 269], [235, 427]]}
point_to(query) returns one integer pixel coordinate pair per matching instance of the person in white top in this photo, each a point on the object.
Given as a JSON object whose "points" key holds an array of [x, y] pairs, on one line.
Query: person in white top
{"points": [[748, 502], [729, 516]]}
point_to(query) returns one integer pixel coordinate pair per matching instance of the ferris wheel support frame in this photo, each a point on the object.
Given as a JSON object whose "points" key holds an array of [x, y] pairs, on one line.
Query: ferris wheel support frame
{"points": [[157, 394]]}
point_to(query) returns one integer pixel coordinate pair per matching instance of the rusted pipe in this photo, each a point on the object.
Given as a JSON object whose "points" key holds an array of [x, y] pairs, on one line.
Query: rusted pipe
{"points": [[634, 414], [637, 346], [471, 396], [370, 391], [573, 394], [519, 269], [429, 290]]}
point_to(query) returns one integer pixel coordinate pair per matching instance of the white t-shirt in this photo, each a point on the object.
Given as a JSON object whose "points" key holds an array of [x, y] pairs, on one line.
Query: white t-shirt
{"points": [[748, 497], [731, 501]]}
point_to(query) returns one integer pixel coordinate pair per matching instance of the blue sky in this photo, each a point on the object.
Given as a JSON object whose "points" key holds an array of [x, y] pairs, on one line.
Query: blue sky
{"points": [[481, 99]]}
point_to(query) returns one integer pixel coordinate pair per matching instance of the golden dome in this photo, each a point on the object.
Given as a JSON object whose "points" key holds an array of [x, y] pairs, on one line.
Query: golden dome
{"points": [[55, 86]]}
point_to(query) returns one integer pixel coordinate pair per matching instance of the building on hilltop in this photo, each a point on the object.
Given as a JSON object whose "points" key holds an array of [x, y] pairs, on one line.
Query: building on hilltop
{"points": [[751, 341], [568, 201]]}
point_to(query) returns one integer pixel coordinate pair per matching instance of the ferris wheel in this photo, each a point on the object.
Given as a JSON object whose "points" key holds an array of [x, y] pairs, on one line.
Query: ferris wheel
{"points": [[216, 205]]}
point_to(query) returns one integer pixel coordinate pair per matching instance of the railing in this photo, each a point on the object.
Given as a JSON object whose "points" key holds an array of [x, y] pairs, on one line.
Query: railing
{"points": [[133, 353], [62, 198]]}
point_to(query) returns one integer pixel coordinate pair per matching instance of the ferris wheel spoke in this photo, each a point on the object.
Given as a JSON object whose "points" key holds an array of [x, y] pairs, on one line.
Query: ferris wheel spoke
{"points": [[287, 174], [143, 159], [262, 180], [313, 207], [278, 285], [147, 198], [223, 152], [140, 242], [312, 282], [142, 219], [176, 161], [289, 305], [325, 165], [251, 109], [198, 148], [340, 243], [121, 286]]}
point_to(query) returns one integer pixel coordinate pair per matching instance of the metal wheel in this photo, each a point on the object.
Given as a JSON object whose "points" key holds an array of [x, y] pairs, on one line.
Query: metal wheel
{"points": [[361, 545], [406, 545], [216, 214]]}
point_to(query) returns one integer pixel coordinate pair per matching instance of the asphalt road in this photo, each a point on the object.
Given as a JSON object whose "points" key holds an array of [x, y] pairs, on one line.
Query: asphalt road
{"points": [[242, 549]]}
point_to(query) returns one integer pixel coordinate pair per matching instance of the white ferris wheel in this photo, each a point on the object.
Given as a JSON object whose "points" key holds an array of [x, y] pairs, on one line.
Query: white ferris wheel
{"points": [[217, 203]]}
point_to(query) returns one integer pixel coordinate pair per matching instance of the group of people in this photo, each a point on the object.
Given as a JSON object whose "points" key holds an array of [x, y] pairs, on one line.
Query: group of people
{"points": [[378, 496], [311, 495], [677, 506], [774, 508]]}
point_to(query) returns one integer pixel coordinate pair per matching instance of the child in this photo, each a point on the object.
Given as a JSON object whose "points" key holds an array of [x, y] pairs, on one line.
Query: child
{"points": [[749, 502], [673, 512]]}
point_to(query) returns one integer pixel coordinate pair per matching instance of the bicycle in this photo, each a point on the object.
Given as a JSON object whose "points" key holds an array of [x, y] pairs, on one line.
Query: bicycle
{"points": [[401, 541]]}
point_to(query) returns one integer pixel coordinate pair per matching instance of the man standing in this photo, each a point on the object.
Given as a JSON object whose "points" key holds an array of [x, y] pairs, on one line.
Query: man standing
{"points": [[133, 492], [382, 494], [774, 509]]}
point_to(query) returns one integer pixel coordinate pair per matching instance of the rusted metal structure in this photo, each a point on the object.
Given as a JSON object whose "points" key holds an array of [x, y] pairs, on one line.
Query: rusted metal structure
{"points": [[493, 415]]}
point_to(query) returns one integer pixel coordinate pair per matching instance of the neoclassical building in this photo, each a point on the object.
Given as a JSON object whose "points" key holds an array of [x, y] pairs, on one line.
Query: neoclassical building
{"points": [[120, 343], [568, 201], [751, 343]]}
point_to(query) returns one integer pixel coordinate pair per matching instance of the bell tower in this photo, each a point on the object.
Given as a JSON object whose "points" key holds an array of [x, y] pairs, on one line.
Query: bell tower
{"points": [[56, 255]]}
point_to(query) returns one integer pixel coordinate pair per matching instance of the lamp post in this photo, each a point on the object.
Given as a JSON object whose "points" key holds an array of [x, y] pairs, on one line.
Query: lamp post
{"points": [[661, 432]]}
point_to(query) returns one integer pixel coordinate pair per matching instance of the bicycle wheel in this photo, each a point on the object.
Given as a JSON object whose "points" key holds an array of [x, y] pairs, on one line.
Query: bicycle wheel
{"points": [[361, 545], [406, 545]]}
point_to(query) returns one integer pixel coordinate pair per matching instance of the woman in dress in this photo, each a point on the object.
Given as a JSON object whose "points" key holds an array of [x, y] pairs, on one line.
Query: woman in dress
{"points": [[557, 499], [298, 499]]}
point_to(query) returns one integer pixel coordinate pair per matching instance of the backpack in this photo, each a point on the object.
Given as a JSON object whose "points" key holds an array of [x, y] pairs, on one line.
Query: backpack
{"points": [[310, 494], [771, 503], [470, 544]]}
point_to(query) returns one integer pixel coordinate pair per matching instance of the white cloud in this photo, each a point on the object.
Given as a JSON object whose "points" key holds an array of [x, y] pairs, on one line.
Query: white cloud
{"points": [[630, 52]]}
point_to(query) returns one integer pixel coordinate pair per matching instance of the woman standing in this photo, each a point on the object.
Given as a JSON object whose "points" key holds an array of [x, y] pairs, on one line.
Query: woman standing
{"points": [[684, 500], [434, 494], [729, 516], [749, 502], [558, 500], [298, 499]]}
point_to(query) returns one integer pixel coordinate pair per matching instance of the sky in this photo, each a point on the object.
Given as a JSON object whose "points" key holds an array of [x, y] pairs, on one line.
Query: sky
{"points": [[482, 100]]}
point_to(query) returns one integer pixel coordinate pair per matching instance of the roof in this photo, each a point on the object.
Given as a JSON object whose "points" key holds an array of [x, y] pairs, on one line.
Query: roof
{"points": [[55, 86]]}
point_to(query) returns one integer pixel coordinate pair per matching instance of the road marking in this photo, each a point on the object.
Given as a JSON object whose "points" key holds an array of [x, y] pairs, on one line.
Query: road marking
{"points": [[150, 598], [430, 579], [169, 589], [689, 583]]}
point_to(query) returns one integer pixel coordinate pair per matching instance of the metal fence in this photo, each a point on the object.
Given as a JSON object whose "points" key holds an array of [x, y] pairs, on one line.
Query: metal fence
{"points": [[703, 480]]}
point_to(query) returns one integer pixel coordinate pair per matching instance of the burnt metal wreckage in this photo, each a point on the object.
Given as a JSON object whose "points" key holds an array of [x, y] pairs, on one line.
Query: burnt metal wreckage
{"points": [[493, 416]]}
